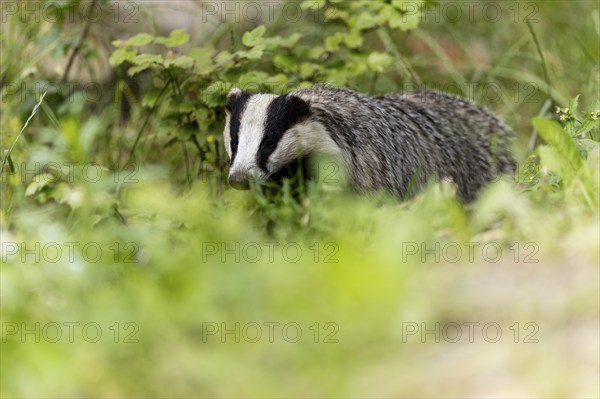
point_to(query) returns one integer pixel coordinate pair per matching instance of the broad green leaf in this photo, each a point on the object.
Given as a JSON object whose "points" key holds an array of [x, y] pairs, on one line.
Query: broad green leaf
{"points": [[214, 95], [278, 82], [285, 42], [316, 52], [332, 43], [254, 37], [354, 39], [202, 55], [147, 59], [307, 70], [256, 52], [314, 5], [177, 38], [151, 96], [139, 40], [181, 61], [252, 79], [574, 103], [388, 13], [336, 13], [553, 160], [39, 182], [135, 69], [405, 22], [120, 56], [557, 137], [379, 61], [588, 125], [224, 58], [365, 20], [408, 5], [285, 62]]}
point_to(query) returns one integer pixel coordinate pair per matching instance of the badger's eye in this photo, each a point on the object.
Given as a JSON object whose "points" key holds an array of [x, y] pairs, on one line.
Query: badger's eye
{"points": [[269, 147]]}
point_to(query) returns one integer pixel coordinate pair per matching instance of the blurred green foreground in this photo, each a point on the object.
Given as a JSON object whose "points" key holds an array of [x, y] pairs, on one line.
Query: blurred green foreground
{"points": [[152, 281]]}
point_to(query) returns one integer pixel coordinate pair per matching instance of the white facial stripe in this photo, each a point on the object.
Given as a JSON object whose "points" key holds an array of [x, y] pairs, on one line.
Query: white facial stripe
{"points": [[227, 136], [303, 139], [252, 130]]}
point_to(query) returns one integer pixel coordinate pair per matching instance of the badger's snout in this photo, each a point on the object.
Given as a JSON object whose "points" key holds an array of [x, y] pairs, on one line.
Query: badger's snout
{"points": [[239, 180], [241, 175]]}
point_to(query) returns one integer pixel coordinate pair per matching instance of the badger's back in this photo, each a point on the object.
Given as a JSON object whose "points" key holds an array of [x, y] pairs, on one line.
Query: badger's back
{"points": [[399, 141]]}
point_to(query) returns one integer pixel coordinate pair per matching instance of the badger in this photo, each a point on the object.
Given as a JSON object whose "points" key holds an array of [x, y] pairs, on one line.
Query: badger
{"points": [[395, 142]]}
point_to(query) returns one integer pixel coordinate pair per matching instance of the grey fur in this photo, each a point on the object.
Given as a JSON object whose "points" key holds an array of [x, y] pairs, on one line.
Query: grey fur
{"points": [[399, 141]]}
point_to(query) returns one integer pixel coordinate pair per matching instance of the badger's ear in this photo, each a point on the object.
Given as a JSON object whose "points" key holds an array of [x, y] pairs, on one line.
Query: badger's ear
{"points": [[232, 97]]}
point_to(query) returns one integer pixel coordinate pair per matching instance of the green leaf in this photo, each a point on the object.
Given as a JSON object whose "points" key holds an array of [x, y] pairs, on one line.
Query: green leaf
{"points": [[588, 125], [336, 13], [147, 59], [255, 53], [182, 61], [405, 22], [557, 137], [151, 96], [285, 62], [587, 146], [379, 61], [573, 104], [354, 39], [409, 17], [39, 182], [307, 70], [120, 56], [332, 43], [254, 37], [407, 5], [224, 59], [139, 40], [273, 43], [61, 193], [135, 69], [214, 95], [202, 55], [551, 159], [177, 38], [314, 5], [252, 79], [365, 20]]}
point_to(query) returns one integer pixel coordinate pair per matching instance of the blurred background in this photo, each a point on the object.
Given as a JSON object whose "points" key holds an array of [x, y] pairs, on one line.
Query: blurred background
{"points": [[129, 268]]}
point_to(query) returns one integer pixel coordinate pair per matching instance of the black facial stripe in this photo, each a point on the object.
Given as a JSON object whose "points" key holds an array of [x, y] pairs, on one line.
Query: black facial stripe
{"points": [[235, 106], [283, 113]]}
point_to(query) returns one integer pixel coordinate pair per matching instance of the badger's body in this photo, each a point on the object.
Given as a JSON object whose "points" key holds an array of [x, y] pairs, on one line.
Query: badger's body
{"points": [[394, 142]]}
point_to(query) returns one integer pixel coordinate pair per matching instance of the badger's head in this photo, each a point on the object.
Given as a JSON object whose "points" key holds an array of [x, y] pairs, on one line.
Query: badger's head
{"points": [[265, 133]]}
